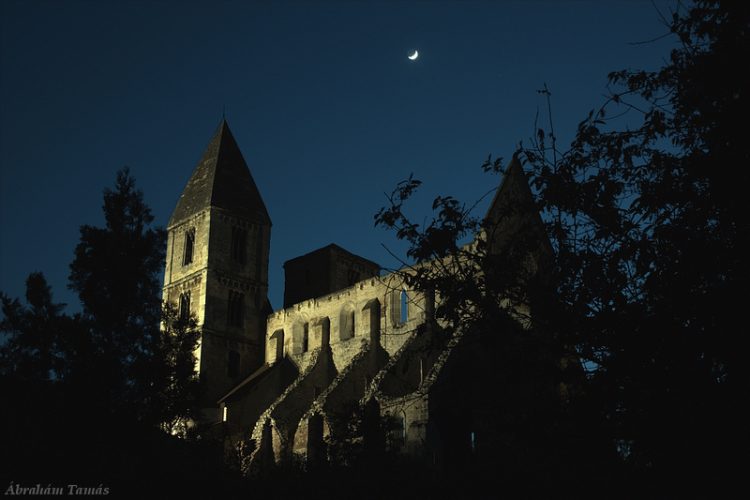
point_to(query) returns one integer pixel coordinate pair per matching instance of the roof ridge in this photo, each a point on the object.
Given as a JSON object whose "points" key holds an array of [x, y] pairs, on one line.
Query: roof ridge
{"points": [[220, 135], [221, 179]]}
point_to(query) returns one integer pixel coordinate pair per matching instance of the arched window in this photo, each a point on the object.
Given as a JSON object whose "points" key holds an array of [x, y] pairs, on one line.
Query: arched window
{"points": [[187, 255], [185, 306], [277, 345], [233, 364], [306, 337], [371, 312], [346, 324], [300, 337], [404, 307]]}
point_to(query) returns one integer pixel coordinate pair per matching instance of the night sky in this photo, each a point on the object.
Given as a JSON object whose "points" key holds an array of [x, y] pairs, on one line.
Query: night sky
{"points": [[325, 106]]}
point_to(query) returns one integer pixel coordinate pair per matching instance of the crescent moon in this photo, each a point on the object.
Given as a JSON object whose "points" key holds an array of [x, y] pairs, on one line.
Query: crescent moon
{"points": [[414, 56]]}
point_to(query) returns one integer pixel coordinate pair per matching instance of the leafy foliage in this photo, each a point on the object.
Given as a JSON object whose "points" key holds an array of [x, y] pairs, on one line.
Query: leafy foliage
{"points": [[116, 274], [650, 238], [174, 375], [33, 348], [98, 388], [644, 279]]}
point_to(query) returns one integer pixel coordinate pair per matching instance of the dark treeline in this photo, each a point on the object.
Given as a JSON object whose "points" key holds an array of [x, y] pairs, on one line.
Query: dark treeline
{"points": [[613, 326], [636, 307], [93, 398]]}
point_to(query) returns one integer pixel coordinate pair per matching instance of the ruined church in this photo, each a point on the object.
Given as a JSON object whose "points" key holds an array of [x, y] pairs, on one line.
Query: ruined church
{"points": [[350, 345]]}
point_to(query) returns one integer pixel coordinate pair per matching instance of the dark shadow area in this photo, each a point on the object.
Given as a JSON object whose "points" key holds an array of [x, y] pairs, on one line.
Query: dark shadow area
{"points": [[61, 435], [289, 411], [255, 394], [415, 362]]}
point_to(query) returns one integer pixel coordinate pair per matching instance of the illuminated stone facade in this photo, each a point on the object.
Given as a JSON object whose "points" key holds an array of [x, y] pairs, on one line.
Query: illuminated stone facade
{"points": [[353, 360], [217, 263]]}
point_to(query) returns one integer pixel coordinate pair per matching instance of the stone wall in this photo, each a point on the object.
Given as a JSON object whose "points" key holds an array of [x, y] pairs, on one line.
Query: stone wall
{"points": [[337, 358], [209, 278], [337, 308]]}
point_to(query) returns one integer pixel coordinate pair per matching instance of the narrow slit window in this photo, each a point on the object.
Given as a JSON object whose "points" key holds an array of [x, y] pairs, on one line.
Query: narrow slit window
{"points": [[185, 306], [306, 337], [278, 344], [187, 256], [346, 324], [404, 306]]}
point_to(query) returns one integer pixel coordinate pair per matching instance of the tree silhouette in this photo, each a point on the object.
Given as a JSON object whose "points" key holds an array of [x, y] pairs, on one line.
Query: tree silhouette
{"points": [[646, 273], [175, 374], [91, 395], [116, 274], [32, 349], [651, 237]]}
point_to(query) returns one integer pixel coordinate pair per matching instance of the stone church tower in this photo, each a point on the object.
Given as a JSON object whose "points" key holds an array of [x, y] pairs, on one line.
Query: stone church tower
{"points": [[217, 266], [354, 354]]}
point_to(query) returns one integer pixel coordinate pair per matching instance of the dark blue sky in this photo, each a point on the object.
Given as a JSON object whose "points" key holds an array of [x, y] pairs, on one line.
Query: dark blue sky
{"points": [[326, 107]]}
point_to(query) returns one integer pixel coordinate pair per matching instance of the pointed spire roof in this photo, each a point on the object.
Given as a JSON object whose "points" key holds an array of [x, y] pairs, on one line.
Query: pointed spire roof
{"points": [[221, 179], [513, 211], [514, 189]]}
